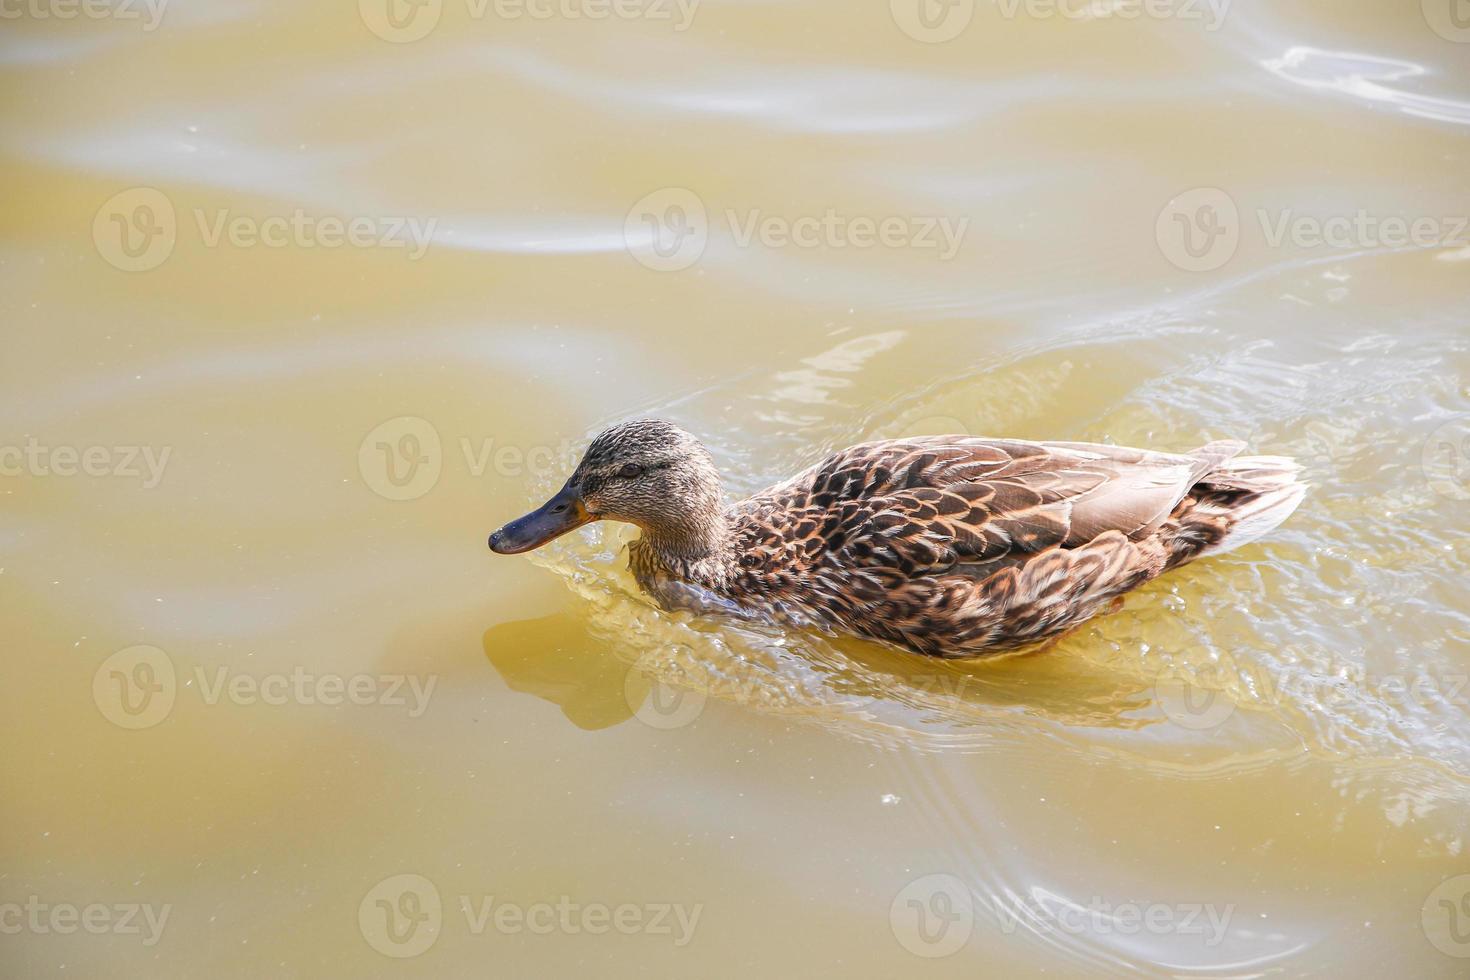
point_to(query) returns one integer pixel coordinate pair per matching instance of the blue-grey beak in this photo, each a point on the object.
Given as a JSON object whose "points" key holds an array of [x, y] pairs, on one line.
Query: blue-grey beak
{"points": [[562, 513]]}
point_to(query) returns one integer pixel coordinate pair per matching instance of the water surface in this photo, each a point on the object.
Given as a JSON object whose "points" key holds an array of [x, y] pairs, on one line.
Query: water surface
{"points": [[264, 666]]}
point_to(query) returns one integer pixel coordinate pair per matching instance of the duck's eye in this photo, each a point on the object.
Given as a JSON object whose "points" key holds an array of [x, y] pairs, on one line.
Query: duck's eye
{"points": [[630, 470]]}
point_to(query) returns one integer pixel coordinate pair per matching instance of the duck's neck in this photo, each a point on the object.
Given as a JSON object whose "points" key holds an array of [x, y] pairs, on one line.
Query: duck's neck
{"points": [[698, 551], [701, 540]]}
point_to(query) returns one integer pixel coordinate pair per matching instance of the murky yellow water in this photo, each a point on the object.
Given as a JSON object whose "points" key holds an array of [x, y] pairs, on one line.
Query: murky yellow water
{"points": [[302, 300]]}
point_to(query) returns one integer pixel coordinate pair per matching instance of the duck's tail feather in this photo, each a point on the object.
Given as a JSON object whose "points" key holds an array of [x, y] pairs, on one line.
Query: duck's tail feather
{"points": [[1246, 498]]}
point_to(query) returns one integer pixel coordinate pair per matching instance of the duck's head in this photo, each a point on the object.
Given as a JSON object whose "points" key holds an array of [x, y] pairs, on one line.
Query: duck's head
{"points": [[647, 472]]}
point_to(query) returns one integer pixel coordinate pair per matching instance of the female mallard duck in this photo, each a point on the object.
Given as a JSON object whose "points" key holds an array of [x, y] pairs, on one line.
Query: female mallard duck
{"points": [[948, 545]]}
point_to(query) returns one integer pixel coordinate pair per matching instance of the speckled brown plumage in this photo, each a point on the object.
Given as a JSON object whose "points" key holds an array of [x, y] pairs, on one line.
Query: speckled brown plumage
{"points": [[953, 546]]}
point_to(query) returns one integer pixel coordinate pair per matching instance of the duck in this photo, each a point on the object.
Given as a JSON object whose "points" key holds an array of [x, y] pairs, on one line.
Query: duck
{"points": [[951, 546]]}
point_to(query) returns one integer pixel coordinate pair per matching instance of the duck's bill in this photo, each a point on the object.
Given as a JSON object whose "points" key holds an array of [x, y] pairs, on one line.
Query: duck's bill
{"points": [[562, 513]]}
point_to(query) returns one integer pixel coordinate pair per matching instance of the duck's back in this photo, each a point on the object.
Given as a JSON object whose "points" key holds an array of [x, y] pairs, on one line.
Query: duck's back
{"points": [[957, 545]]}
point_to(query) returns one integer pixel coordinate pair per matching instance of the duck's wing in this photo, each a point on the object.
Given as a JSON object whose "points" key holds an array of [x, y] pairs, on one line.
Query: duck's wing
{"points": [[925, 505]]}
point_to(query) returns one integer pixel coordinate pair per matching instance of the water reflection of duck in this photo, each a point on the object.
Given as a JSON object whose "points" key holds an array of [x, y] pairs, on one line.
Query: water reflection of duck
{"points": [[954, 546], [599, 674], [558, 660]]}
